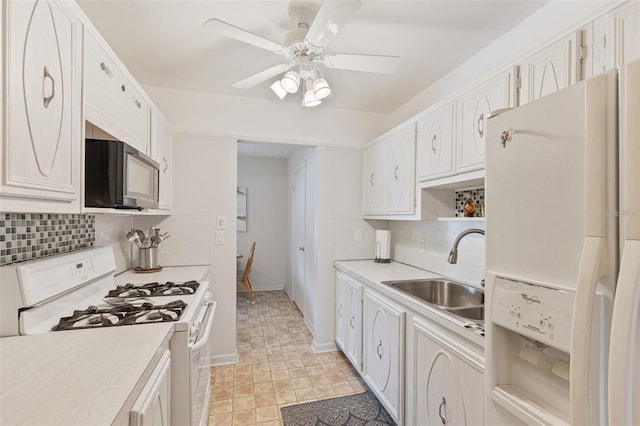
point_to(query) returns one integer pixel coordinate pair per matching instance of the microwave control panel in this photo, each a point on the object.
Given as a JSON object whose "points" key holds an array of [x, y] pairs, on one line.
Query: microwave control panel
{"points": [[539, 312]]}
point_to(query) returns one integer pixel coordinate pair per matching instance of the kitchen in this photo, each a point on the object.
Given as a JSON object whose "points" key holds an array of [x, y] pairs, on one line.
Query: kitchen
{"points": [[204, 150]]}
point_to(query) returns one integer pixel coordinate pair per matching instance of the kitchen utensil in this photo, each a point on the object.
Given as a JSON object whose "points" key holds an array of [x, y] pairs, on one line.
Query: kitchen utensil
{"points": [[148, 258], [141, 236], [132, 237]]}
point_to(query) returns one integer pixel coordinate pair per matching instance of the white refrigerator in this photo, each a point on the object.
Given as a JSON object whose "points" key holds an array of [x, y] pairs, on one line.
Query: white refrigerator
{"points": [[560, 203]]}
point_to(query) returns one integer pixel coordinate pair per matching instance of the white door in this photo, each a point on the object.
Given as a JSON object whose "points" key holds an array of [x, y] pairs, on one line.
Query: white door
{"points": [[299, 235]]}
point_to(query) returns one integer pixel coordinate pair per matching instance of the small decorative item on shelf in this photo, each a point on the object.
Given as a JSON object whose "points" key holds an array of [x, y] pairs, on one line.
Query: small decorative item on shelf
{"points": [[469, 207]]}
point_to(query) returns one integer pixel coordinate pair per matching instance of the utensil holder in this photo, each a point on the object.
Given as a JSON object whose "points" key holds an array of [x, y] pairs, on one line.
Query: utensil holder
{"points": [[148, 258]]}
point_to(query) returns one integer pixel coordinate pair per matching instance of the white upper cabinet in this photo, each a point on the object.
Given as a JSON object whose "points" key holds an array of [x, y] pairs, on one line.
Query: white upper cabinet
{"points": [[435, 143], [474, 108], [550, 69], [162, 152], [399, 171], [373, 179], [626, 24], [113, 103], [389, 174], [42, 133]]}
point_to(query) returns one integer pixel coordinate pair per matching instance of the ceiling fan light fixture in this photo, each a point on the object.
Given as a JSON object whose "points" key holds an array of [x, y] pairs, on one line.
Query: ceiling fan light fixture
{"points": [[321, 88], [309, 99], [277, 88], [290, 81]]}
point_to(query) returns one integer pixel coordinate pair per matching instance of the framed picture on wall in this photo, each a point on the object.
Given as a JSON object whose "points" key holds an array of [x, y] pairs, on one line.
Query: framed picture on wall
{"points": [[241, 219]]}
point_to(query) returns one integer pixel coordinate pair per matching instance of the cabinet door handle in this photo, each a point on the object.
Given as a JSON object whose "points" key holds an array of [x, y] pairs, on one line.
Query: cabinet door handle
{"points": [[379, 349], [395, 172], [166, 164], [433, 144], [481, 125], [340, 311], [47, 75], [371, 179], [352, 322], [444, 420]]}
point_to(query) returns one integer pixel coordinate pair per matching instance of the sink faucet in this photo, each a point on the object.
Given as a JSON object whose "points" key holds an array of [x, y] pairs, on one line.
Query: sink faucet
{"points": [[453, 254]]}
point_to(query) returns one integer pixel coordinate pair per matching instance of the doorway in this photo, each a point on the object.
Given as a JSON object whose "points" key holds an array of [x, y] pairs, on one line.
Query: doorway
{"points": [[299, 235]]}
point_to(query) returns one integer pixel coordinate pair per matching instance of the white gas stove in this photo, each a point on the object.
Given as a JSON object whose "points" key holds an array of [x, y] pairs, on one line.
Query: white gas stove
{"points": [[78, 291]]}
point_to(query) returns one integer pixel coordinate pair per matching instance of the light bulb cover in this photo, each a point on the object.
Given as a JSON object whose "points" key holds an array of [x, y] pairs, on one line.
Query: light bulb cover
{"points": [[321, 88], [309, 99], [290, 81], [278, 89]]}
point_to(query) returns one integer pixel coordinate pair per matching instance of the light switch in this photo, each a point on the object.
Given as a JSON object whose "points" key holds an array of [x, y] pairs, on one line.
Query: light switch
{"points": [[219, 237], [221, 222]]}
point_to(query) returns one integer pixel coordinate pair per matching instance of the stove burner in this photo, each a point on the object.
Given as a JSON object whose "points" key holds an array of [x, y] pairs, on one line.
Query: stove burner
{"points": [[154, 289], [126, 314]]}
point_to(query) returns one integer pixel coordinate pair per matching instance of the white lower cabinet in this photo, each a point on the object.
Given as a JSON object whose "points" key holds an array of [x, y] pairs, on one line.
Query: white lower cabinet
{"points": [[447, 386], [152, 408], [349, 319], [383, 351]]}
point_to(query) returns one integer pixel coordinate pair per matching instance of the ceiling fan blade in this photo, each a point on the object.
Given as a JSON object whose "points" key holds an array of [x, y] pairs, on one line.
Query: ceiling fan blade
{"points": [[261, 76], [329, 19], [367, 63], [245, 36]]}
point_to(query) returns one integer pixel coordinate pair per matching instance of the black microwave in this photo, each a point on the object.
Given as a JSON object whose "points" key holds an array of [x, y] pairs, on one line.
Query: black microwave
{"points": [[119, 176]]}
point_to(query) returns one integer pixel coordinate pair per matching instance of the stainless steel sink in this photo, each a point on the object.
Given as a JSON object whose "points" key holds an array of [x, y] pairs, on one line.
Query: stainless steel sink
{"points": [[475, 313], [443, 293]]}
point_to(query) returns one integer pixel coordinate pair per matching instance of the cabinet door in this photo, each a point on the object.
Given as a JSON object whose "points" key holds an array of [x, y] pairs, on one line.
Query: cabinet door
{"points": [[448, 390], [42, 145], [626, 26], [162, 152], [549, 70], [473, 110], [152, 406], [435, 136], [341, 310], [399, 171], [113, 103], [373, 181], [383, 351], [353, 333]]}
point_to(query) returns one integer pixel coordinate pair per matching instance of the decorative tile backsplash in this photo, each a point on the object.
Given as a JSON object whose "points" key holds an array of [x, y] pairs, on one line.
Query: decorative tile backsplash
{"points": [[477, 195], [28, 236]]}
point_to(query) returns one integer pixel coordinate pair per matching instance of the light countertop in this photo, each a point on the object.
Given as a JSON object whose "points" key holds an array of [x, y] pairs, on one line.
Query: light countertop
{"points": [[78, 377], [168, 273], [373, 274]]}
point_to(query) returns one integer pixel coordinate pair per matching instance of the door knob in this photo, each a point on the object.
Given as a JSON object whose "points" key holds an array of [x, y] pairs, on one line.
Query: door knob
{"points": [[301, 248]]}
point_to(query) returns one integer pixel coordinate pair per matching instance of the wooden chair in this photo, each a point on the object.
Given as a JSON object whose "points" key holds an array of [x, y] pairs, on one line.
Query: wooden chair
{"points": [[243, 276]]}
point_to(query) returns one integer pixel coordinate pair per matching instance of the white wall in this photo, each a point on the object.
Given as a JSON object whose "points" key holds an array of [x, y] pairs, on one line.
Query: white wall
{"points": [[266, 121], [267, 220], [205, 185], [110, 231]]}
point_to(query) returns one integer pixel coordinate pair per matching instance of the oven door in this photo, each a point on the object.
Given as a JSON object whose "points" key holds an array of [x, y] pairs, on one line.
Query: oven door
{"points": [[200, 369]]}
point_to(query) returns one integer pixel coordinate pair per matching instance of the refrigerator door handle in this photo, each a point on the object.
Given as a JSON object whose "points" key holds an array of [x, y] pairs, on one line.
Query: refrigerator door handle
{"points": [[581, 330], [623, 353]]}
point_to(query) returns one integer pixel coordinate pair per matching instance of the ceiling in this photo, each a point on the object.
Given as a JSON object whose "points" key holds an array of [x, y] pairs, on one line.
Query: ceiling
{"points": [[163, 43]]}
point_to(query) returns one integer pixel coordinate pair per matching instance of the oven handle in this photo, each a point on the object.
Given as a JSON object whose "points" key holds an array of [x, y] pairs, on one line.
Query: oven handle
{"points": [[203, 337]]}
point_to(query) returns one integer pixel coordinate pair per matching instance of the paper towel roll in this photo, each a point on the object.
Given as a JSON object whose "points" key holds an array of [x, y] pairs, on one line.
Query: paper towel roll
{"points": [[383, 245]]}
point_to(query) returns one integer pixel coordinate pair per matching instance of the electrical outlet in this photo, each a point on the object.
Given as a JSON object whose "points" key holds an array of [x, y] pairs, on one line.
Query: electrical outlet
{"points": [[420, 244]]}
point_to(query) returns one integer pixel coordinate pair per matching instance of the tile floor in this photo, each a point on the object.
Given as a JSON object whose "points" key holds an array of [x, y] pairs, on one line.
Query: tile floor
{"points": [[277, 366]]}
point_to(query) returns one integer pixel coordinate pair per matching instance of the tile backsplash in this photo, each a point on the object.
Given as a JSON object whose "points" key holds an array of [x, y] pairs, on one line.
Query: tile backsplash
{"points": [[477, 195], [28, 236]]}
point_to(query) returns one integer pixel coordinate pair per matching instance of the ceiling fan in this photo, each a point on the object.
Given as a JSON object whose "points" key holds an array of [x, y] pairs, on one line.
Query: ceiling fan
{"points": [[304, 48]]}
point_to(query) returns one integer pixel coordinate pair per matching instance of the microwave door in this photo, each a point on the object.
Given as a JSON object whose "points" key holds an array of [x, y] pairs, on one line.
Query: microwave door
{"points": [[141, 185]]}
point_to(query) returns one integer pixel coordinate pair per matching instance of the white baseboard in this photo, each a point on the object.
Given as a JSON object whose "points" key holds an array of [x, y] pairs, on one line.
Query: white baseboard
{"points": [[222, 359], [323, 347]]}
